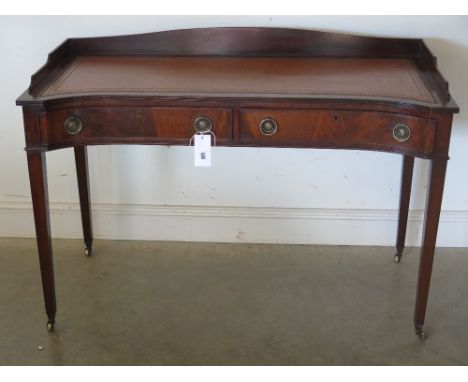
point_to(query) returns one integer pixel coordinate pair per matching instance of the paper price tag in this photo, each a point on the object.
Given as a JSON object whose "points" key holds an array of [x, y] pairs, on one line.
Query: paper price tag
{"points": [[202, 150]]}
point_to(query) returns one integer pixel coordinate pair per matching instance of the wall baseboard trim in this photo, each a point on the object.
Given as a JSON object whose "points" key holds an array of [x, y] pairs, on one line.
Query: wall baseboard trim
{"points": [[234, 224]]}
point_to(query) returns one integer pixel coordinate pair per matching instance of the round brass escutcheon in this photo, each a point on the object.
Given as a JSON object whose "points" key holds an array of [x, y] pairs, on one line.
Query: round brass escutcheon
{"points": [[268, 126], [202, 124], [73, 125], [401, 132]]}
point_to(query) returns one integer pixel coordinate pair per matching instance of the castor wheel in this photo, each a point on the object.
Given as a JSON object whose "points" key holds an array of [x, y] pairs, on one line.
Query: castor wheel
{"points": [[50, 326], [420, 333], [397, 258], [88, 251]]}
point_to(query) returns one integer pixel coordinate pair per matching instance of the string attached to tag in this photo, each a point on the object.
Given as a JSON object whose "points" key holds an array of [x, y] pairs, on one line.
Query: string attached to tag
{"points": [[202, 148]]}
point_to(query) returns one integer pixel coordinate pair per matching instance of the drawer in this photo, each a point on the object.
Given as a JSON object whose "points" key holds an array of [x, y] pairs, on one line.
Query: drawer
{"points": [[337, 128], [133, 124]]}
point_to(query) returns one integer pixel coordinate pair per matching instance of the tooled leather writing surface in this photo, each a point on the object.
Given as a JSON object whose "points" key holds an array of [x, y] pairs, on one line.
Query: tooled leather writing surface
{"points": [[394, 78]]}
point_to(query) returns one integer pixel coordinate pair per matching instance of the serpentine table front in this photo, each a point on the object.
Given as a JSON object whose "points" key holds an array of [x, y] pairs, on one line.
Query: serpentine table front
{"points": [[259, 87]]}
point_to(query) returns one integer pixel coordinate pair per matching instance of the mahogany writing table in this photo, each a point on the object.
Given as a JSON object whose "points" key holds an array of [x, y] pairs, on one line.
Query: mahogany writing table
{"points": [[259, 87]]}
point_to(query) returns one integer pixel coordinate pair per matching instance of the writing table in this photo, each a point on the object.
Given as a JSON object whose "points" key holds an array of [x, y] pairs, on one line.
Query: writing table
{"points": [[261, 87]]}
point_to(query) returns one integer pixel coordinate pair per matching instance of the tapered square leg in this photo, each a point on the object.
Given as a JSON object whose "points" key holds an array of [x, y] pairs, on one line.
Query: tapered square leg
{"points": [[431, 223], [81, 160], [405, 194], [39, 192]]}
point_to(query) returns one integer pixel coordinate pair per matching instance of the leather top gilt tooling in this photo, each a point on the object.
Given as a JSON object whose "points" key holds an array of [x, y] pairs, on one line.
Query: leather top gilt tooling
{"points": [[242, 76]]}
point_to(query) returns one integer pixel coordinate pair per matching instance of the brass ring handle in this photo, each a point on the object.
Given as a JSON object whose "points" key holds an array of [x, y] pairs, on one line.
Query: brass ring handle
{"points": [[73, 125], [202, 124], [268, 126], [401, 132]]}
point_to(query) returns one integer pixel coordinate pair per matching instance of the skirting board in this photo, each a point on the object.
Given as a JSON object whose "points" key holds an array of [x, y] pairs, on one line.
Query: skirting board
{"points": [[234, 224]]}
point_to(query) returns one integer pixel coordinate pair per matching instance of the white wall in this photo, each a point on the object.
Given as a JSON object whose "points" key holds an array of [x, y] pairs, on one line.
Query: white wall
{"points": [[249, 195]]}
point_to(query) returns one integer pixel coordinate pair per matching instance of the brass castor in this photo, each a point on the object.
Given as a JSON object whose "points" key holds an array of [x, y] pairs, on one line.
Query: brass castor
{"points": [[50, 326], [88, 251], [398, 256], [420, 333]]}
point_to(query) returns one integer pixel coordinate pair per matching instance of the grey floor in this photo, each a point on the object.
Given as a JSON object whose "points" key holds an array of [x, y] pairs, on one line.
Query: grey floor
{"points": [[162, 303]]}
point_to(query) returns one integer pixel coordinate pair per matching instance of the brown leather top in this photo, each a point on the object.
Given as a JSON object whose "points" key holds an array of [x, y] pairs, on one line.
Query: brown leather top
{"points": [[241, 76]]}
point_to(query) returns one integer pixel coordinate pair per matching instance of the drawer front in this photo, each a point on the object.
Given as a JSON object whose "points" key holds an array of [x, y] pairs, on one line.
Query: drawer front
{"points": [[325, 128], [130, 124]]}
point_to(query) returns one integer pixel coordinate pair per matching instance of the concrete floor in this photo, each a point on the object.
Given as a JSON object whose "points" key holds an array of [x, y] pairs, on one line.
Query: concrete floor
{"points": [[154, 303]]}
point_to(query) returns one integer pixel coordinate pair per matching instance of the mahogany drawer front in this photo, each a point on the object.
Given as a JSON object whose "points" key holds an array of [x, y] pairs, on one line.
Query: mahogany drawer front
{"points": [[335, 128], [130, 124]]}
